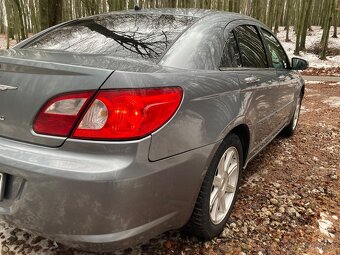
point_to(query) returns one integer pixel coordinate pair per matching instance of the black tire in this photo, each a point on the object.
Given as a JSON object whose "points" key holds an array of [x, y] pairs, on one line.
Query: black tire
{"points": [[290, 129], [201, 223]]}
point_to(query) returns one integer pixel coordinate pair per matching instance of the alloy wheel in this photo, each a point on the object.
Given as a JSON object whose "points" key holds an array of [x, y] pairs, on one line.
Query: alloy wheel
{"points": [[224, 185]]}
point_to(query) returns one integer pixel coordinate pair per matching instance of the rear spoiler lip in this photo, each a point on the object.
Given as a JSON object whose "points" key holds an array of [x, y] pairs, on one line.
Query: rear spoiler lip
{"points": [[13, 60], [28, 41]]}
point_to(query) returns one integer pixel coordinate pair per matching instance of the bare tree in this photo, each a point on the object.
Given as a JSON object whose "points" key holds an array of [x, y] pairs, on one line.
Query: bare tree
{"points": [[18, 18]]}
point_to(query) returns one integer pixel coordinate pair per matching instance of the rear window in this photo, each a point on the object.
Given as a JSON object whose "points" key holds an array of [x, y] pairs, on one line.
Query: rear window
{"points": [[137, 36]]}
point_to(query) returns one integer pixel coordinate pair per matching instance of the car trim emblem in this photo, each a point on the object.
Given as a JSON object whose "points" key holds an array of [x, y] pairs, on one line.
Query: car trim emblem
{"points": [[5, 87]]}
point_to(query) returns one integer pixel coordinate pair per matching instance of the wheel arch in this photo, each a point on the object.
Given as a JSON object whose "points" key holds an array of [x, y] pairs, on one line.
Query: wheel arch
{"points": [[302, 92], [242, 131]]}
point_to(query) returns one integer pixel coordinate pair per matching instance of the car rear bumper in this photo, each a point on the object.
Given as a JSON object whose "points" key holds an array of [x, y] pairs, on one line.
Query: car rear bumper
{"points": [[99, 196]]}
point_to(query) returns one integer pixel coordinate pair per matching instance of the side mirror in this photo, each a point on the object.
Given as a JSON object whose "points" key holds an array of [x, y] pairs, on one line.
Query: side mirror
{"points": [[299, 64]]}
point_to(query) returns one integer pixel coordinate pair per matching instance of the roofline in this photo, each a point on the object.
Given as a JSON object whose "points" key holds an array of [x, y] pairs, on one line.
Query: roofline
{"points": [[185, 12]]}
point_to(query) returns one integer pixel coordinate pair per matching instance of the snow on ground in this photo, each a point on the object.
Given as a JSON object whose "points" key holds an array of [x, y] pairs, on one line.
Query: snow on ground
{"points": [[325, 224], [333, 101], [3, 42], [313, 38]]}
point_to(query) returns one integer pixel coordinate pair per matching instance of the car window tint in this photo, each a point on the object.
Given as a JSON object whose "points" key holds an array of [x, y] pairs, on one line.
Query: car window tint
{"points": [[277, 53], [251, 47], [231, 55], [119, 35]]}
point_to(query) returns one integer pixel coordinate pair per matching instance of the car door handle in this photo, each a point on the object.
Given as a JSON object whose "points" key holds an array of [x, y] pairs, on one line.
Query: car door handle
{"points": [[251, 79]]}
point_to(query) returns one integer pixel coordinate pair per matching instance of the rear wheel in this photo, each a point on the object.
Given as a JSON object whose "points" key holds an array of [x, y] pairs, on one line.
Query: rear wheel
{"points": [[219, 190], [290, 129]]}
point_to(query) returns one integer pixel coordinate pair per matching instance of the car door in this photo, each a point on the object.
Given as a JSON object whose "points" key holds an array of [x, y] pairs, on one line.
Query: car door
{"points": [[258, 85], [288, 80]]}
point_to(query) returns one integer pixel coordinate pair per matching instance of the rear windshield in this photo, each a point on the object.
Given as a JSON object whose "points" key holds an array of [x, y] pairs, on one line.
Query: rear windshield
{"points": [[120, 35]]}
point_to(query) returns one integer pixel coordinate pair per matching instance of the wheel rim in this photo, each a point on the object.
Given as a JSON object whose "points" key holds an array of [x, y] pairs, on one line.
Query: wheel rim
{"points": [[224, 185], [296, 114]]}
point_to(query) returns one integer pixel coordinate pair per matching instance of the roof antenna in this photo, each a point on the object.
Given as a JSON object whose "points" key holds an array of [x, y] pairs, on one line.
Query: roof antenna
{"points": [[137, 8]]}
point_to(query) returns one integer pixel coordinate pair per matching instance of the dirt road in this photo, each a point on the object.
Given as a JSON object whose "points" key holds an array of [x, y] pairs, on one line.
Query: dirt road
{"points": [[322, 78], [288, 204]]}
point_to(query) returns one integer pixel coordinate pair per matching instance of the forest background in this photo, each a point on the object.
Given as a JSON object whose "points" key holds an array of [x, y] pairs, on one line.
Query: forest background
{"points": [[21, 18]]}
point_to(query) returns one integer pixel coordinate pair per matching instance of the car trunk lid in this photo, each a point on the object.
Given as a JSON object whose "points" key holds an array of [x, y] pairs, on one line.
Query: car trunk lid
{"points": [[29, 79]]}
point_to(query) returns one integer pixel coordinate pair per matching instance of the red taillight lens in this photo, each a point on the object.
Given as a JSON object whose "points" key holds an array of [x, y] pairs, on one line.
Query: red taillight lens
{"points": [[128, 113], [59, 115]]}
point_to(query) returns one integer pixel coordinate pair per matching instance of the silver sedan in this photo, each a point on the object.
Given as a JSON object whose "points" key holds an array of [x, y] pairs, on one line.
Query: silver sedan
{"points": [[117, 127]]}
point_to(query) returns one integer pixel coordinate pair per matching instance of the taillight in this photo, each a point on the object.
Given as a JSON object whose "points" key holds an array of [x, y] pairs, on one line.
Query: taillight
{"points": [[59, 115], [113, 114], [128, 113]]}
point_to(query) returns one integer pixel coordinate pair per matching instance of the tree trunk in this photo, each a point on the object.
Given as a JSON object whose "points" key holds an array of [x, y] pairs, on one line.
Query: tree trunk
{"points": [[329, 10], [288, 8], [55, 11], [299, 26], [305, 25], [279, 14], [335, 22], [43, 11], [22, 33]]}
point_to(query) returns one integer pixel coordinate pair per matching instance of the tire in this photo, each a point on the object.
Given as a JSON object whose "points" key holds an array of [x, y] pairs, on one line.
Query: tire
{"points": [[290, 129], [219, 188]]}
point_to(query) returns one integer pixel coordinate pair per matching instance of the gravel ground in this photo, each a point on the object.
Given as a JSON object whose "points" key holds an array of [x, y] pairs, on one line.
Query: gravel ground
{"points": [[333, 71], [288, 204]]}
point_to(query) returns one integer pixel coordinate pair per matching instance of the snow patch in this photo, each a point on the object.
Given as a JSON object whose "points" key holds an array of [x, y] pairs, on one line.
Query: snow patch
{"points": [[314, 82], [325, 225], [334, 83], [333, 101], [313, 38], [319, 250]]}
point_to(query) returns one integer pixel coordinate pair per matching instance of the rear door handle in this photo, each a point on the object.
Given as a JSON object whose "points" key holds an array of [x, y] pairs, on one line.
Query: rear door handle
{"points": [[251, 79]]}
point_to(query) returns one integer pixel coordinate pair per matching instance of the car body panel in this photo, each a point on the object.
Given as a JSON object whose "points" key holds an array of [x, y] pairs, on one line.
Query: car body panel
{"points": [[205, 111], [86, 191], [94, 61], [36, 82], [199, 47], [261, 108]]}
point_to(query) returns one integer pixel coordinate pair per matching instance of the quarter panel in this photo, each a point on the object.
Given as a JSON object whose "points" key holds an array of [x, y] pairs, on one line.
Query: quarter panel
{"points": [[210, 104]]}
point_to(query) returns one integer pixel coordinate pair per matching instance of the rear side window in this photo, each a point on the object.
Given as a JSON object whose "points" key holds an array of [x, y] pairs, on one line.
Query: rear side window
{"points": [[121, 35], [251, 47], [277, 53], [231, 55]]}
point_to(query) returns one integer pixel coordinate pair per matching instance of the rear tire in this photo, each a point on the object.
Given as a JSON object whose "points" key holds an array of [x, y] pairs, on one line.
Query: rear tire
{"points": [[290, 129], [219, 190]]}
